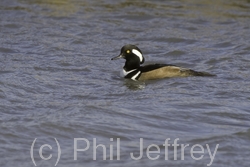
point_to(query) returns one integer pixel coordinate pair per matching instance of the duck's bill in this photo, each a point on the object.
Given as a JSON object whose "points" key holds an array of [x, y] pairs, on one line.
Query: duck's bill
{"points": [[117, 57]]}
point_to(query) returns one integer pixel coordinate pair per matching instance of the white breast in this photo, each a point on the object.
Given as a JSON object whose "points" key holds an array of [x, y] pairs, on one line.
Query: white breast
{"points": [[127, 72]]}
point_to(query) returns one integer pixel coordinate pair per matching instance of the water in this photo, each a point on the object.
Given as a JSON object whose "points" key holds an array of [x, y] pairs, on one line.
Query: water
{"points": [[57, 81]]}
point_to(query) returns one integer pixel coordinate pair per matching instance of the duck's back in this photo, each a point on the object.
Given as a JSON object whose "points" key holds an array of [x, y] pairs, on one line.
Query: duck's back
{"points": [[157, 71]]}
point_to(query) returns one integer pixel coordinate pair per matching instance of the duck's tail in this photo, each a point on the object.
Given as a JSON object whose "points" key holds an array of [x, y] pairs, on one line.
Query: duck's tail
{"points": [[197, 73]]}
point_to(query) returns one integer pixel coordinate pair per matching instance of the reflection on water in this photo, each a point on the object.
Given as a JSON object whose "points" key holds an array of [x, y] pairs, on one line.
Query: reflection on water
{"points": [[55, 8], [134, 85]]}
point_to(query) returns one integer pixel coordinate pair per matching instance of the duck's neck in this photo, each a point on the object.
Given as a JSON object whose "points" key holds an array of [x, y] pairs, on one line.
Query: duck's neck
{"points": [[131, 65]]}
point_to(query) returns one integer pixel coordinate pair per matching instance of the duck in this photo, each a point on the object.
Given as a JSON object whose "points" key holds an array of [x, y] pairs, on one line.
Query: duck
{"points": [[133, 69]]}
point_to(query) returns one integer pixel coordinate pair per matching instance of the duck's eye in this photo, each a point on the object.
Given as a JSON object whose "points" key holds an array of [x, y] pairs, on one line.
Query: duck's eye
{"points": [[128, 51]]}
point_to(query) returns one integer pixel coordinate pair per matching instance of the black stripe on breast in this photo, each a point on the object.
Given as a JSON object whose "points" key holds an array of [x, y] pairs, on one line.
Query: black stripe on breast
{"points": [[130, 75], [152, 67]]}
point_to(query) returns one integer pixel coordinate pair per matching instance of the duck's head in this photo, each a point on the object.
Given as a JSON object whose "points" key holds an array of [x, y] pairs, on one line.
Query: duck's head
{"points": [[132, 54]]}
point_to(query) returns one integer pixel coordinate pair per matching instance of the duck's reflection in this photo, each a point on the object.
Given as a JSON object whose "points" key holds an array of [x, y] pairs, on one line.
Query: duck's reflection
{"points": [[134, 85]]}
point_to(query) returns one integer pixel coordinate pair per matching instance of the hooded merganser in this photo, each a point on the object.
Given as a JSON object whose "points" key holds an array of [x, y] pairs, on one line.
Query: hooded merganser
{"points": [[134, 71]]}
